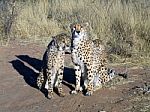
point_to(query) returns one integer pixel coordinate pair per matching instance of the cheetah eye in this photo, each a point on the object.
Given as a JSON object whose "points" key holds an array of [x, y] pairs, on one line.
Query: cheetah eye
{"points": [[82, 28]]}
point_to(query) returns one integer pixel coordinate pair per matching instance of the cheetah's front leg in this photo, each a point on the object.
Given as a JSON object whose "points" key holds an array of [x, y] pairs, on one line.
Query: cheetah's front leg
{"points": [[78, 78], [50, 82], [59, 82]]}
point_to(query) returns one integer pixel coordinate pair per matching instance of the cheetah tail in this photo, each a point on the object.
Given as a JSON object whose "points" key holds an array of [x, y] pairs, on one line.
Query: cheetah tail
{"points": [[124, 75]]}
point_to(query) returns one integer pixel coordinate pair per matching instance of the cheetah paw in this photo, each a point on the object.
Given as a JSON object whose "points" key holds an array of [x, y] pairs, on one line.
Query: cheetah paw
{"points": [[80, 89], [61, 94], [89, 93], [39, 86], [50, 95], [74, 92], [77, 91]]}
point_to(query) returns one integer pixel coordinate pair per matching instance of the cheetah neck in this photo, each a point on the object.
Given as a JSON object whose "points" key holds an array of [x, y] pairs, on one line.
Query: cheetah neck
{"points": [[80, 39], [60, 49]]}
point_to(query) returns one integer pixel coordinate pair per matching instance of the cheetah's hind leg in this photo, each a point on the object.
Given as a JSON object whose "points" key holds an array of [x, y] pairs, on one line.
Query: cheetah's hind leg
{"points": [[97, 83], [90, 86], [40, 80]]}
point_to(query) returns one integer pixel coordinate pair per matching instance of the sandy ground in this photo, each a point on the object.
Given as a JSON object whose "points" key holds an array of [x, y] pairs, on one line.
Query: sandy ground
{"points": [[19, 67]]}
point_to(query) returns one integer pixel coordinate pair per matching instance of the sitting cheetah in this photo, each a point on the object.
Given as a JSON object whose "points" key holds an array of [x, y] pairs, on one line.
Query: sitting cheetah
{"points": [[103, 74], [83, 57], [53, 64], [90, 60]]}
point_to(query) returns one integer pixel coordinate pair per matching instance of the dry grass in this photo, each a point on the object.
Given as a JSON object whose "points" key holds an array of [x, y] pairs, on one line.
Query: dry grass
{"points": [[122, 25]]}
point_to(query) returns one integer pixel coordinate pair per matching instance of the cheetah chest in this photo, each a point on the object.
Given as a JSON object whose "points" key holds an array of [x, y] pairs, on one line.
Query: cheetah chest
{"points": [[82, 53], [55, 60]]}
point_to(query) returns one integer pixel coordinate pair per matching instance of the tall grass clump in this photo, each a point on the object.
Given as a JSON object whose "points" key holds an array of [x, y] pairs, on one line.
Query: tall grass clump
{"points": [[6, 19], [32, 20], [122, 25]]}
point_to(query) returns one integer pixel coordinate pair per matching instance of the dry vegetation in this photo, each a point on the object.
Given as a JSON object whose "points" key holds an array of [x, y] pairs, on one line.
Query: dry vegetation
{"points": [[122, 25]]}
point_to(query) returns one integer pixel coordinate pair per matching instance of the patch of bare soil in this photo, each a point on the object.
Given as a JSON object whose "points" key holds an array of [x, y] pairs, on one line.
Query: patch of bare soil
{"points": [[19, 67]]}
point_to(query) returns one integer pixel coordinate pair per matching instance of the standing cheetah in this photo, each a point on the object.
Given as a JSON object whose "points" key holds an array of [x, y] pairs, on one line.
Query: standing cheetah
{"points": [[53, 64]]}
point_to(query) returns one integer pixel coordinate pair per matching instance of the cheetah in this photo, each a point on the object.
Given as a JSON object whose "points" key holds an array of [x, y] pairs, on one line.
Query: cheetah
{"points": [[53, 64], [90, 60], [82, 53], [103, 74]]}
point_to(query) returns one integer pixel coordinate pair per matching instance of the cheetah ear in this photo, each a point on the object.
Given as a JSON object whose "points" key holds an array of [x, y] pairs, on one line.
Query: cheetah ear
{"points": [[72, 25], [53, 37], [86, 24], [54, 40]]}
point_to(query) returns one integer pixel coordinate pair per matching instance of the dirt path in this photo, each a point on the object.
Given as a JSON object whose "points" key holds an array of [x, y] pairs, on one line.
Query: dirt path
{"points": [[19, 66]]}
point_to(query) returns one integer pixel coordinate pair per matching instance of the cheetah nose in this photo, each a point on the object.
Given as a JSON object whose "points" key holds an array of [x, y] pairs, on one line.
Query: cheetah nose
{"points": [[78, 32]]}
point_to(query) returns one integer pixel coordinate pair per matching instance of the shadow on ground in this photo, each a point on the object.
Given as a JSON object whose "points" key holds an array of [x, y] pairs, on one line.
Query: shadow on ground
{"points": [[35, 63], [30, 76], [69, 77]]}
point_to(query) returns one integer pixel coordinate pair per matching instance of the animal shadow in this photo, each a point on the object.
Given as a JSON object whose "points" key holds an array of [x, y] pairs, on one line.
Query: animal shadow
{"points": [[35, 63], [69, 77], [30, 75]]}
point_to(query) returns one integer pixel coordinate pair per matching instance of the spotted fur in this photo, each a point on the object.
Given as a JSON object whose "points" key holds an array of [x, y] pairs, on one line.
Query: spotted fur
{"points": [[103, 74], [83, 58], [53, 64], [90, 60]]}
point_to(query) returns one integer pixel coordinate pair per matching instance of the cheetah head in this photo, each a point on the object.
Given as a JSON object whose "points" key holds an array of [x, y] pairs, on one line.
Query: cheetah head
{"points": [[79, 30], [63, 41]]}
